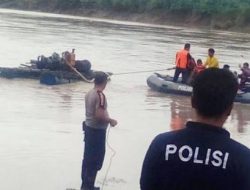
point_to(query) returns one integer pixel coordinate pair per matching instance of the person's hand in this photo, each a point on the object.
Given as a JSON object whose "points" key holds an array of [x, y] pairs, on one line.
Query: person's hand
{"points": [[113, 122]]}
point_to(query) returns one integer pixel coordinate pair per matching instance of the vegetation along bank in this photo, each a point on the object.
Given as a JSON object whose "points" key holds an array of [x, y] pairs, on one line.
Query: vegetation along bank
{"points": [[223, 14]]}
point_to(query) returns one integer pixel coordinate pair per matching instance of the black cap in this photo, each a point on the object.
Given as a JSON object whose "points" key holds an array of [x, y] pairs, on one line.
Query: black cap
{"points": [[100, 78], [187, 46], [246, 64], [211, 50]]}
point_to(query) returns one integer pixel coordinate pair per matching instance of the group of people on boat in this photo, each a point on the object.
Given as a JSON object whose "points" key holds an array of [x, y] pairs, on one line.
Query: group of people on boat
{"points": [[189, 68]]}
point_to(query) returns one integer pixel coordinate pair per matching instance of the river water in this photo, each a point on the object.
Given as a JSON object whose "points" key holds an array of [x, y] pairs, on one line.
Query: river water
{"points": [[40, 126]]}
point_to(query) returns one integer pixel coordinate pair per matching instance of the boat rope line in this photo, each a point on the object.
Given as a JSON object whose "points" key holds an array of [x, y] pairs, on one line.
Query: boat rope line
{"points": [[110, 161], [146, 71]]}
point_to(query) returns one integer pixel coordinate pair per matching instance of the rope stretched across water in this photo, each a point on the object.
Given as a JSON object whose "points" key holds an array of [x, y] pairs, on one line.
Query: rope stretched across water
{"points": [[146, 71], [111, 159]]}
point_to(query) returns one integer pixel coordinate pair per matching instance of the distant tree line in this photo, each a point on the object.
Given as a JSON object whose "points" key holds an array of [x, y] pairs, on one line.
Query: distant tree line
{"points": [[238, 10]]}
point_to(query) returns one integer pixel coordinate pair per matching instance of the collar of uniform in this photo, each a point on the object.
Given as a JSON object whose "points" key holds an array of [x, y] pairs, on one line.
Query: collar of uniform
{"points": [[203, 126]]}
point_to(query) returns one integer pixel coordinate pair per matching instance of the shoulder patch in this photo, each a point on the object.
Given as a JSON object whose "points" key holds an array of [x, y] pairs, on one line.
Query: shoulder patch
{"points": [[102, 99]]}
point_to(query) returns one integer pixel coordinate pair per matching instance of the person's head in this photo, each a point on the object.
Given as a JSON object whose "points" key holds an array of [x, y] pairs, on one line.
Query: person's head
{"points": [[101, 80], [199, 62], [226, 67], [213, 95], [187, 47], [211, 52], [245, 65], [73, 50], [66, 55]]}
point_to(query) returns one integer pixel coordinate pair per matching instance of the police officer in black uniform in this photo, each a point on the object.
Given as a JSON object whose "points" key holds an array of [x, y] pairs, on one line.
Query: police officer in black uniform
{"points": [[202, 156]]}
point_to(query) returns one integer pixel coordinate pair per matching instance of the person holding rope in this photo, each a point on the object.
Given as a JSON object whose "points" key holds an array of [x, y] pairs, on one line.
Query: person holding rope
{"points": [[94, 127], [202, 155]]}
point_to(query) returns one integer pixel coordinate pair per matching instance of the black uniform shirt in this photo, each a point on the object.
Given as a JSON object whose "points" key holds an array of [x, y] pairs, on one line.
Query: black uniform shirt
{"points": [[199, 157]]}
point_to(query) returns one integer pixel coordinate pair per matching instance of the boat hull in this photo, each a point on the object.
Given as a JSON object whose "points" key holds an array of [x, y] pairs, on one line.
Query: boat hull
{"points": [[165, 85], [46, 76]]}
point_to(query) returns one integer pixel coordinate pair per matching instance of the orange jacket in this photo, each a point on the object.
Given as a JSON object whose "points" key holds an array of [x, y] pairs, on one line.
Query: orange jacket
{"points": [[182, 59]]}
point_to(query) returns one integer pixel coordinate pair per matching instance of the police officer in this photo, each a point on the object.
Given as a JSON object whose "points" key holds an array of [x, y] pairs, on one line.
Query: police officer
{"points": [[202, 155], [95, 125]]}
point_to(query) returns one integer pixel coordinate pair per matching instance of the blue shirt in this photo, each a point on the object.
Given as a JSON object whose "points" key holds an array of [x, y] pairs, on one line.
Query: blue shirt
{"points": [[199, 157]]}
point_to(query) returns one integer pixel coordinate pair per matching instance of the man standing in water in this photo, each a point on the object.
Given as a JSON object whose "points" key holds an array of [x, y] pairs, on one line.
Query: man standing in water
{"points": [[183, 58], [94, 127], [202, 155]]}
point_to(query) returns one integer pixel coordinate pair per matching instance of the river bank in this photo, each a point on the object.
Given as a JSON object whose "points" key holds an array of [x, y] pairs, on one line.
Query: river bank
{"points": [[164, 18], [220, 22]]}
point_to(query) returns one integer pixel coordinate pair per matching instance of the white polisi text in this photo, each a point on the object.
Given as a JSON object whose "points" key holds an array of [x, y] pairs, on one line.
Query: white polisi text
{"points": [[185, 153]]}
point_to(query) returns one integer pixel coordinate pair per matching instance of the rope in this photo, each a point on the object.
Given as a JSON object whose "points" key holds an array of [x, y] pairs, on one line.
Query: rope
{"points": [[77, 72], [111, 159], [147, 71]]}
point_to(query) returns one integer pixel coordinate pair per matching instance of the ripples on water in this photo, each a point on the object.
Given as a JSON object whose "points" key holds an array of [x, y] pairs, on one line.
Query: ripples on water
{"points": [[41, 138]]}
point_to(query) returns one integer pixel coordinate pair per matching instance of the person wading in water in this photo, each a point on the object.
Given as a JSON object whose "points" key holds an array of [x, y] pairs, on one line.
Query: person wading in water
{"points": [[94, 127]]}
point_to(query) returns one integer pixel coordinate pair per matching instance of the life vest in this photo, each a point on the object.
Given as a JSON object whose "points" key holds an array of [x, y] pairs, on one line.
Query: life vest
{"points": [[182, 59], [199, 68]]}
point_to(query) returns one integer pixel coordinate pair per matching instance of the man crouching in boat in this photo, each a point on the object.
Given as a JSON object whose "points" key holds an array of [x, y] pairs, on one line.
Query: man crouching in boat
{"points": [[183, 58], [94, 127], [202, 155]]}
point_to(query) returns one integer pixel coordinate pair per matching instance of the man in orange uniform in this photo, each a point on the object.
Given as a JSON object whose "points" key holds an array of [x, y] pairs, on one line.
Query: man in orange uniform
{"points": [[182, 60]]}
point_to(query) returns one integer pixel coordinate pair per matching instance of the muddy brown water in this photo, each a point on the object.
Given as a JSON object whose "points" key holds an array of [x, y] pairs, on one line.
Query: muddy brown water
{"points": [[40, 133]]}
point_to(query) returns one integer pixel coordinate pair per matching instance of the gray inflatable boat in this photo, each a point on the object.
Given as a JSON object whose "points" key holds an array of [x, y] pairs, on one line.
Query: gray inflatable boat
{"points": [[165, 84]]}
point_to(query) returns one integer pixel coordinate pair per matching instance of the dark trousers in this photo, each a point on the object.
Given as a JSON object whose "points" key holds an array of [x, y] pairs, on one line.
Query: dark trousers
{"points": [[181, 71], [93, 157]]}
